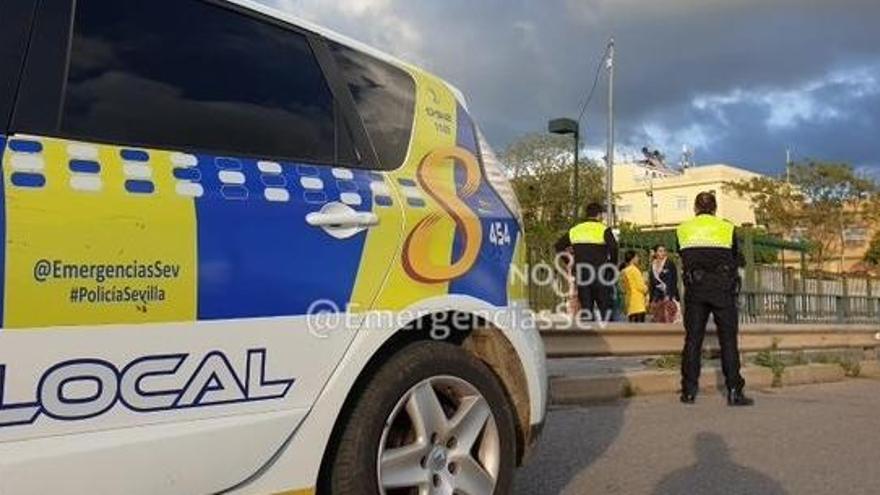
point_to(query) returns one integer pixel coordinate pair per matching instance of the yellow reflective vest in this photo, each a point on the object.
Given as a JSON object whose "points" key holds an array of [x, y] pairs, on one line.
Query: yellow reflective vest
{"points": [[706, 231], [588, 233]]}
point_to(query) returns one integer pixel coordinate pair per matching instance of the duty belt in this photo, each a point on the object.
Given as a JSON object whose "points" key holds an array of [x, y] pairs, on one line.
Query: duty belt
{"points": [[719, 276], [700, 273]]}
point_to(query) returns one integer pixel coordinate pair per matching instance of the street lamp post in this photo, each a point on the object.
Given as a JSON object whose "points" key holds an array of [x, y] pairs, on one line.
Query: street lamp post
{"points": [[566, 127], [609, 186]]}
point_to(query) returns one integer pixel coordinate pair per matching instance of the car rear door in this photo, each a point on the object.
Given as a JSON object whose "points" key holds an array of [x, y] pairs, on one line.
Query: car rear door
{"points": [[184, 183]]}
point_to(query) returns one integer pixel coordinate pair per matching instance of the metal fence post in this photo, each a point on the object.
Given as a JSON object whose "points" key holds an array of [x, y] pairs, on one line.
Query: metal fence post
{"points": [[788, 282], [805, 298], [872, 309], [843, 301], [750, 282]]}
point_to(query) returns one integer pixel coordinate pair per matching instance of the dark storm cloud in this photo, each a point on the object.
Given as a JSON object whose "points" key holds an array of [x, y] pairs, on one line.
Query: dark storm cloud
{"points": [[738, 79]]}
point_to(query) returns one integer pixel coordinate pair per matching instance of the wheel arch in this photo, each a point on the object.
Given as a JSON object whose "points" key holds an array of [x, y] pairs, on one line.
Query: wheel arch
{"points": [[474, 335]]}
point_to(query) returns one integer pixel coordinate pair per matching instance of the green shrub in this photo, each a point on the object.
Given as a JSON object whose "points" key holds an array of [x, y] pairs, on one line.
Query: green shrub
{"points": [[849, 362], [773, 360], [668, 362]]}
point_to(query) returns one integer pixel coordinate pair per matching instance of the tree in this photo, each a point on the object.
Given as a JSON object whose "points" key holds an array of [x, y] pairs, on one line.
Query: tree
{"points": [[541, 166], [777, 203], [823, 200], [872, 257]]}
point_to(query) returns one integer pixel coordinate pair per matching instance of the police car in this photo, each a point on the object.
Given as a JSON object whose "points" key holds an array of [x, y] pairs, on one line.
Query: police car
{"points": [[242, 254]]}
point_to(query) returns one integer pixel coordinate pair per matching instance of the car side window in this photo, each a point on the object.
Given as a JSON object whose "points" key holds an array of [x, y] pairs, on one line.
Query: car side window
{"points": [[385, 98], [191, 75]]}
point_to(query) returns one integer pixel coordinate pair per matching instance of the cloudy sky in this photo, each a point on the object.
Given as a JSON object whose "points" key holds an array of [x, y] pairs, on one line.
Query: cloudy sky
{"points": [[737, 80]]}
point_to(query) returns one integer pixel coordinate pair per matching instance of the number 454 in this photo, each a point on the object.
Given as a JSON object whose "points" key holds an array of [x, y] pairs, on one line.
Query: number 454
{"points": [[499, 234]]}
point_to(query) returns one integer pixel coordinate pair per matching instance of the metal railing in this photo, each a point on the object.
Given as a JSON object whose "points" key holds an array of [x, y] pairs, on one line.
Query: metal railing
{"points": [[774, 294], [786, 295]]}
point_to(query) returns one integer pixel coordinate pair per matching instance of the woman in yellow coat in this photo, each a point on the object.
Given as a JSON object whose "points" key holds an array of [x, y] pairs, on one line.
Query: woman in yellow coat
{"points": [[634, 287]]}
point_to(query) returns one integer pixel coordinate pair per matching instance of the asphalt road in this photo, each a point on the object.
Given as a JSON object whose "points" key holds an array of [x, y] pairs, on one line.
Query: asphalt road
{"points": [[821, 439]]}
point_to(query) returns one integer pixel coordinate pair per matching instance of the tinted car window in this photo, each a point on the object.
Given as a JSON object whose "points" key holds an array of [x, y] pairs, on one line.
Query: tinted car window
{"points": [[16, 17], [187, 74], [346, 153], [385, 98]]}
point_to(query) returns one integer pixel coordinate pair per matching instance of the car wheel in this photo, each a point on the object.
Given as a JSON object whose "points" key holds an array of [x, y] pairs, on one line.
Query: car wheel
{"points": [[432, 420]]}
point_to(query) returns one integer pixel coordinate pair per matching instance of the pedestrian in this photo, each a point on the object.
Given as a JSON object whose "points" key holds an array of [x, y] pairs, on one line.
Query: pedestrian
{"points": [[595, 259], [711, 259], [635, 288], [618, 298], [665, 300]]}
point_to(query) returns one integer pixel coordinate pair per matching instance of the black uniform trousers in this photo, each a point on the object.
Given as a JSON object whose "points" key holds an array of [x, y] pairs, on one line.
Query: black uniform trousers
{"points": [[701, 301], [594, 296]]}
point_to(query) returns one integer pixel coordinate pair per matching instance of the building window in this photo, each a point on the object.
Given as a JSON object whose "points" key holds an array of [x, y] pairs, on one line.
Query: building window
{"points": [[191, 75], [681, 203], [855, 236], [624, 209]]}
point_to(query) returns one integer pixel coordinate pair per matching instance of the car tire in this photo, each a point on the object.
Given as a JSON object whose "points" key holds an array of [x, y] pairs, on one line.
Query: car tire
{"points": [[433, 451]]}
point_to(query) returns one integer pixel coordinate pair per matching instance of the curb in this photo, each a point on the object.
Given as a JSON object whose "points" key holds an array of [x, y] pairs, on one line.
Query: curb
{"points": [[870, 369], [583, 390], [813, 374]]}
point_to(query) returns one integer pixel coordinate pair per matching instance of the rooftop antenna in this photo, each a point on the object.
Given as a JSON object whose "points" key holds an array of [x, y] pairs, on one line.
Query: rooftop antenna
{"points": [[687, 157]]}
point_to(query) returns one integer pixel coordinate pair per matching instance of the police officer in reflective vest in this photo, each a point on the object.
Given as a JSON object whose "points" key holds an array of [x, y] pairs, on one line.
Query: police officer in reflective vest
{"points": [[711, 260], [595, 253]]}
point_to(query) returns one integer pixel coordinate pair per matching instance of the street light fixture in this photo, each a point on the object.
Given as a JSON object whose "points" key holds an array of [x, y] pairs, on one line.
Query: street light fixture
{"points": [[565, 127]]}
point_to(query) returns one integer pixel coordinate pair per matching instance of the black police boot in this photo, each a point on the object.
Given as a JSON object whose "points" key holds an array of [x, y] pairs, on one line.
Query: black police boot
{"points": [[688, 398], [737, 398]]}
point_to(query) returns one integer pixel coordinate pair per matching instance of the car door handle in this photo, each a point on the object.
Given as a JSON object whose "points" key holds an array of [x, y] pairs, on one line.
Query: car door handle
{"points": [[342, 220]]}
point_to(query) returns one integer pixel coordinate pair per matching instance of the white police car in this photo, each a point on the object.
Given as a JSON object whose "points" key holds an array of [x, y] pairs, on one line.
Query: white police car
{"points": [[242, 254]]}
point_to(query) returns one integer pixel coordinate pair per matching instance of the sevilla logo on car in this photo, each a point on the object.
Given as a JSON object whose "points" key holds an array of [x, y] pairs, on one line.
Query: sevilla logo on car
{"points": [[416, 251]]}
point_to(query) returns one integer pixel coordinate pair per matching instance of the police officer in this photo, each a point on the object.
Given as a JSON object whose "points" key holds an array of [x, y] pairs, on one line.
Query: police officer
{"points": [[711, 259], [595, 253]]}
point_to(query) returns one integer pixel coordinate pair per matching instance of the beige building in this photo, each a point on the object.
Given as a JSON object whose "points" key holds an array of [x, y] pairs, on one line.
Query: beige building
{"points": [[674, 194], [856, 241]]}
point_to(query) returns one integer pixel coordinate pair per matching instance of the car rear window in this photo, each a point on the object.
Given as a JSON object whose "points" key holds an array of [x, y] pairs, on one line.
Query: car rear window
{"points": [[385, 98]]}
